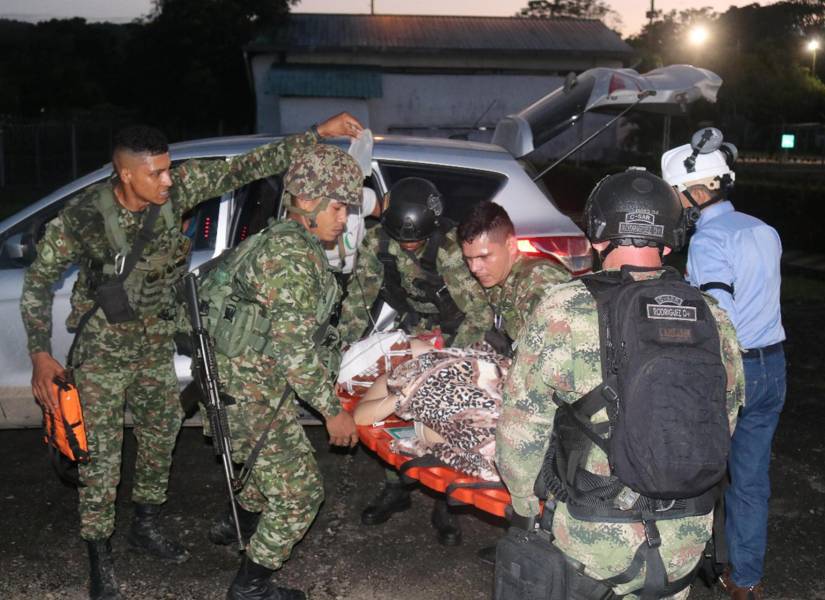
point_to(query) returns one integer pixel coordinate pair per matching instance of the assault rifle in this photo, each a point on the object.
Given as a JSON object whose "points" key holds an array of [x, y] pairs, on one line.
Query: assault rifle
{"points": [[206, 373]]}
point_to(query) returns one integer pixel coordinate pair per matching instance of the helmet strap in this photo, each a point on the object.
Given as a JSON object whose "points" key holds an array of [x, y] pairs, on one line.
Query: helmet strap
{"points": [[696, 208], [309, 214], [611, 246]]}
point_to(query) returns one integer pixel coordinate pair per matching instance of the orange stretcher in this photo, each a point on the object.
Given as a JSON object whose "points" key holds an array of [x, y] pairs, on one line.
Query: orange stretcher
{"points": [[445, 480]]}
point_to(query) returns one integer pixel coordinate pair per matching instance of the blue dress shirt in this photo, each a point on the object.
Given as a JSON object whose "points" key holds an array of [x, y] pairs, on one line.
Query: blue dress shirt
{"points": [[740, 251]]}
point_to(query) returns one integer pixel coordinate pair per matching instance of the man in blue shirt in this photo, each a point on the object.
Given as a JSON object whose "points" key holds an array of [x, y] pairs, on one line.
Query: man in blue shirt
{"points": [[735, 257]]}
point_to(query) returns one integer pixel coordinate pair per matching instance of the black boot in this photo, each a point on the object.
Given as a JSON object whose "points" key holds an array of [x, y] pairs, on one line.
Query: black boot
{"points": [[222, 531], [252, 583], [394, 497], [446, 524], [144, 535], [102, 584]]}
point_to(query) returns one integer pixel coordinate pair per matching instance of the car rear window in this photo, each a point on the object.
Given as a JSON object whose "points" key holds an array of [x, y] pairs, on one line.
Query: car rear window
{"points": [[461, 188]]}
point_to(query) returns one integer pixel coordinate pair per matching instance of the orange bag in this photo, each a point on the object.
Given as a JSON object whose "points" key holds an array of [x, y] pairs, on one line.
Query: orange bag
{"points": [[65, 432]]}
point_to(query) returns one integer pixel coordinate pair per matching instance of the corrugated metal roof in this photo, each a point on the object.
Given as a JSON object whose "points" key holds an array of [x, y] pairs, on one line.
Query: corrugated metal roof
{"points": [[418, 33]]}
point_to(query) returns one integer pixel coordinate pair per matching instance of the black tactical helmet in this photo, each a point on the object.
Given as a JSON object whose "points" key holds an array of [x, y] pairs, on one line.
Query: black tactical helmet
{"points": [[413, 207], [635, 208]]}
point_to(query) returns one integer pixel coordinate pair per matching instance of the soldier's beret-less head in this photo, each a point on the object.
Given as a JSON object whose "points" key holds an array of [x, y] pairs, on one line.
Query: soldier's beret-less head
{"points": [[326, 173], [141, 139], [486, 218]]}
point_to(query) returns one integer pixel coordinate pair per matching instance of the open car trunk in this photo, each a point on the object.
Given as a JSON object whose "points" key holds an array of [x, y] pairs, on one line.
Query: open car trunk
{"points": [[602, 89]]}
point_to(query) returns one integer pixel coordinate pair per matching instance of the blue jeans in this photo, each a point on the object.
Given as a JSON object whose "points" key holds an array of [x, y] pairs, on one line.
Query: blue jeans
{"points": [[746, 500]]}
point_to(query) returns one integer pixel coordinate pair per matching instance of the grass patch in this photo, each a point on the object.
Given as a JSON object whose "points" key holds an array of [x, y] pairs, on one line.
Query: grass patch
{"points": [[798, 289]]}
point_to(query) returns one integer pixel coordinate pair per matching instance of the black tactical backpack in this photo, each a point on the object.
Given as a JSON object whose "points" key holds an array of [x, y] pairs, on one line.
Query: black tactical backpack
{"points": [[664, 385]]}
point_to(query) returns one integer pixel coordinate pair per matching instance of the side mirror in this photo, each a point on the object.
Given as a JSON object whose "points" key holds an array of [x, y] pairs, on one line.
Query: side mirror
{"points": [[20, 248]]}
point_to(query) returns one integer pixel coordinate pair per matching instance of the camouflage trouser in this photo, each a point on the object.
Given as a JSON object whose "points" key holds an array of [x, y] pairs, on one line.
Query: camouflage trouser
{"points": [[141, 376], [285, 486]]}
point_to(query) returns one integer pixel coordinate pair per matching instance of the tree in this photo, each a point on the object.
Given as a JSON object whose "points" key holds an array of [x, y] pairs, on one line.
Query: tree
{"points": [[758, 53], [549, 9], [189, 64], [577, 9]]}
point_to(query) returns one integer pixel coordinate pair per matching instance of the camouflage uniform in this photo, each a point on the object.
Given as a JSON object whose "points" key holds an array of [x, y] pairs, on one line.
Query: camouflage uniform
{"points": [[286, 275], [559, 353], [528, 282], [129, 363], [368, 276]]}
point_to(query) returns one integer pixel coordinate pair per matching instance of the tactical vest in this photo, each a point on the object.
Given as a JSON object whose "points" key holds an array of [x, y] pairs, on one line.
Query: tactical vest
{"points": [[237, 322], [150, 285], [430, 288]]}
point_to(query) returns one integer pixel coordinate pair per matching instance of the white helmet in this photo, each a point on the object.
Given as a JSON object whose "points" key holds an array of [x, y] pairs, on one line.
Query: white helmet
{"points": [[706, 161]]}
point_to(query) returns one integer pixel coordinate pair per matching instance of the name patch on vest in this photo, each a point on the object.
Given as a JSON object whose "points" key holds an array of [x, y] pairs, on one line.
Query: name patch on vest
{"points": [[670, 308]]}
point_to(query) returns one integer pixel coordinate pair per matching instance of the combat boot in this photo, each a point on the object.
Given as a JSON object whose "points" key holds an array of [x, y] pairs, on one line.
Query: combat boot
{"points": [[446, 524], [252, 583], [102, 584], [394, 497], [222, 531], [144, 535]]}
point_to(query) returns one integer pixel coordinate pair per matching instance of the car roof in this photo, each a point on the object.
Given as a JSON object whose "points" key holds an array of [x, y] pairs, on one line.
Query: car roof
{"points": [[386, 147], [438, 151]]}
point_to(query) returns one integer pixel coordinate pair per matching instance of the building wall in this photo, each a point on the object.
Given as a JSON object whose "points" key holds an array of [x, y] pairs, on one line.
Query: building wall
{"points": [[421, 104]]}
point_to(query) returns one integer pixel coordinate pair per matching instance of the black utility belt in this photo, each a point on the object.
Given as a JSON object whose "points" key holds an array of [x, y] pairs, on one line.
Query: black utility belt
{"points": [[762, 352]]}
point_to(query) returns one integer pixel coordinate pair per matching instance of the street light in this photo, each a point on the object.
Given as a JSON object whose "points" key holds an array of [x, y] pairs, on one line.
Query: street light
{"points": [[813, 46], [698, 35]]}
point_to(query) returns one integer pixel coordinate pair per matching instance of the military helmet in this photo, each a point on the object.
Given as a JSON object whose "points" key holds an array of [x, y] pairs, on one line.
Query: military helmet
{"points": [[327, 173], [635, 208], [413, 208]]}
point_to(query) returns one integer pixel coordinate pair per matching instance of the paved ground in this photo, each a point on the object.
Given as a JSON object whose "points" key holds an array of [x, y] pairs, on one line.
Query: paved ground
{"points": [[42, 557]]}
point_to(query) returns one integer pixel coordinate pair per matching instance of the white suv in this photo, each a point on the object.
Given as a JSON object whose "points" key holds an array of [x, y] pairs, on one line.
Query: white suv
{"points": [[465, 172]]}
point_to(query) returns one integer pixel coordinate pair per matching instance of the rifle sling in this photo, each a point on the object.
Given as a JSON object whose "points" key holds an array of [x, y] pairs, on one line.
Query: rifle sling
{"points": [[249, 463]]}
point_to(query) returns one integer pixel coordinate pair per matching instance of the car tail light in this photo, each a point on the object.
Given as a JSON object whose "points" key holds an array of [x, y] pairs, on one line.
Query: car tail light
{"points": [[573, 252], [618, 83]]}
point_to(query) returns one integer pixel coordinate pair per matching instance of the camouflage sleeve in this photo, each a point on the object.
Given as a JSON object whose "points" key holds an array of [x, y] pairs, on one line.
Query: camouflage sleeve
{"points": [[527, 411], [55, 252], [199, 180], [285, 280], [732, 359], [468, 295], [362, 290], [543, 277]]}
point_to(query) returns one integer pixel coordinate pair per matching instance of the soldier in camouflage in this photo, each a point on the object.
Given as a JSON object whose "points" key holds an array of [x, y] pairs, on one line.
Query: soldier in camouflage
{"points": [[283, 276], [513, 282], [130, 363], [408, 225], [413, 262], [559, 354]]}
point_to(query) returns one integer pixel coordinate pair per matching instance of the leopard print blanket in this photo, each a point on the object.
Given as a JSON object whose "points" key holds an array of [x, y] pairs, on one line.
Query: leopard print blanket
{"points": [[456, 393]]}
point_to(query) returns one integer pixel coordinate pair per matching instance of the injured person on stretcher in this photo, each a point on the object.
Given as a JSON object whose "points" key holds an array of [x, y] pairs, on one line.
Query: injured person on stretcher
{"points": [[453, 398]]}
